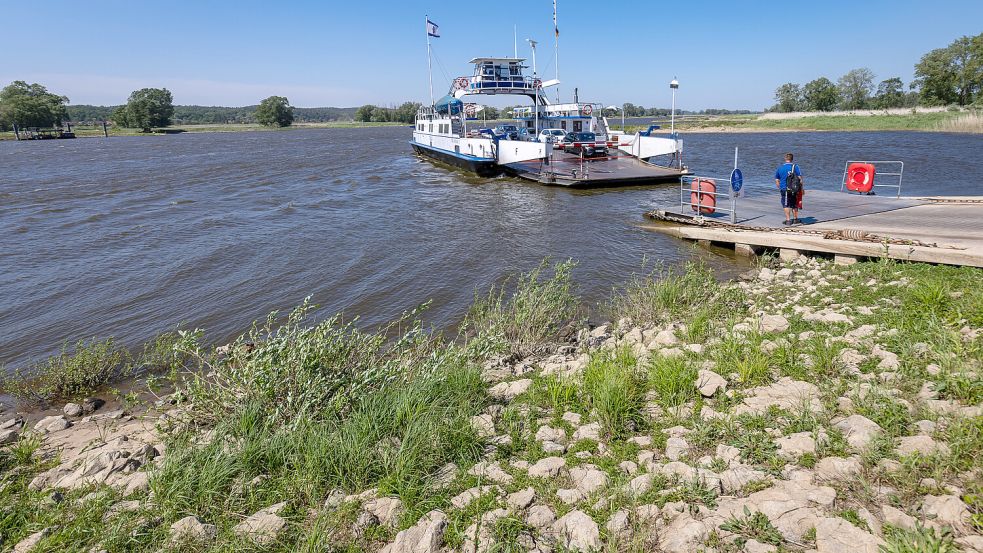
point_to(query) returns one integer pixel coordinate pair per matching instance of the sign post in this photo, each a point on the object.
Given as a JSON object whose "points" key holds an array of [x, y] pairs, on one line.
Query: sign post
{"points": [[736, 183]]}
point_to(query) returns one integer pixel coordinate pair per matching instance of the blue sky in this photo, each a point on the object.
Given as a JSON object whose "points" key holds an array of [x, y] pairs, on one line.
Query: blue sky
{"points": [[726, 54]]}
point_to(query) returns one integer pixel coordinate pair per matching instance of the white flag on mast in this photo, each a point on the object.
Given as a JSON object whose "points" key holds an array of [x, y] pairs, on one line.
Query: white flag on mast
{"points": [[432, 29]]}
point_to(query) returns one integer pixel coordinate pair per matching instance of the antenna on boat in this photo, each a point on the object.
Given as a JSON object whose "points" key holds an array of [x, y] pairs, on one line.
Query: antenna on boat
{"points": [[515, 43], [556, 52]]}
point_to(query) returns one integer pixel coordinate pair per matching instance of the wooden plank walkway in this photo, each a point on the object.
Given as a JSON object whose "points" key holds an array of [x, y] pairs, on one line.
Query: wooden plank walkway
{"points": [[848, 226]]}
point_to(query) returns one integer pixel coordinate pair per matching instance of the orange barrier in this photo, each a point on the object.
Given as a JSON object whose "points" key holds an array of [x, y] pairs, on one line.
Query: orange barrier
{"points": [[860, 177], [703, 195]]}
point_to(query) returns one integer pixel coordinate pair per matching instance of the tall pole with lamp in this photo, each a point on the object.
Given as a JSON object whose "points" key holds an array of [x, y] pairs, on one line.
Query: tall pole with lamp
{"points": [[673, 84], [532, 44]]}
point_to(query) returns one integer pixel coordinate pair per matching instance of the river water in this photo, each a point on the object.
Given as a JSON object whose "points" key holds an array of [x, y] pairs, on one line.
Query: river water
{"points": [[133, 236]]}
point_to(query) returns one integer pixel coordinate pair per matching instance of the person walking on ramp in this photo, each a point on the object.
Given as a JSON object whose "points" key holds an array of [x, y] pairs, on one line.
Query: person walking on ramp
{"points": [[788, 179]]}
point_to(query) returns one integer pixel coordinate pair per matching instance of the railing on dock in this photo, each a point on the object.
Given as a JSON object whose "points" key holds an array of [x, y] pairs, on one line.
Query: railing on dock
{"points": [[686, 186], [897, 170]]}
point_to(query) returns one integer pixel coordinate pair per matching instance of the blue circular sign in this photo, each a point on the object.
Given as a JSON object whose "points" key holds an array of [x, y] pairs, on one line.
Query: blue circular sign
{"points": [[736, 180]]}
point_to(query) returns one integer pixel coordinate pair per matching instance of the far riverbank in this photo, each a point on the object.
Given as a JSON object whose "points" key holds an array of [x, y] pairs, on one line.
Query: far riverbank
{"points": [[89, 131]]}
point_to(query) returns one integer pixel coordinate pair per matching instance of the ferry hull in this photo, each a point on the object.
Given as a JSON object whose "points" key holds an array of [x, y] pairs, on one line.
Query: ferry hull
{"points": [[482, 168]]}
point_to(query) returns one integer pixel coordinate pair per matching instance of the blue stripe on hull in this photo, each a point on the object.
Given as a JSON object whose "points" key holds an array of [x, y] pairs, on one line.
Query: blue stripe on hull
{"points": [[479, 166]]}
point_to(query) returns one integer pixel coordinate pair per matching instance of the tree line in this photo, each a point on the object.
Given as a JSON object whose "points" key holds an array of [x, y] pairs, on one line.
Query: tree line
{"points": [[200, 115], [32, 106], [403, 113], [945, 76]]}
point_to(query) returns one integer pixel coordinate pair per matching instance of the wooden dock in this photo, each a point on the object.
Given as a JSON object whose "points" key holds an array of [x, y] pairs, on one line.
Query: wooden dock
{"points": [[619, 169], [846, 226]]}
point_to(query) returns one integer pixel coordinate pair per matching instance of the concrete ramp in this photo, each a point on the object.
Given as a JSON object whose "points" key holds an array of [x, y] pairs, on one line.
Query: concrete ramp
{"points": [[848, 226]]}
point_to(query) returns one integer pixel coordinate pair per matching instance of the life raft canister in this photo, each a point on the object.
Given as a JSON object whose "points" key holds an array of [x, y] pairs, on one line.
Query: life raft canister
{"points": [[702, 195], [860, 177]]}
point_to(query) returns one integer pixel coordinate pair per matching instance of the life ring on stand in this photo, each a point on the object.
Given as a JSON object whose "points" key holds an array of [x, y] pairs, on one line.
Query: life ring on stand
{"points": [[860, 177], [702, 196], [460, 83], [587, 109]]}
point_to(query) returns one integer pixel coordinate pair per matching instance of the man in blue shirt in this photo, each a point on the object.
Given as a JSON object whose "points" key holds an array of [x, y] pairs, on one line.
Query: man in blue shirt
{"points": [[790, 202]]}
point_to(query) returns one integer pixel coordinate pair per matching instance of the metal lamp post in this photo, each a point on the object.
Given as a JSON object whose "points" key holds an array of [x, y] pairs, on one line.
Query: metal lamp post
{"points": [[673, 84], [532, 44]]}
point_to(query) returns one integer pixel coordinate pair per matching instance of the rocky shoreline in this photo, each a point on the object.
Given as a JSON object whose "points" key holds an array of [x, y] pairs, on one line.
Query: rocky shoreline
{"points": [[810, 422]]}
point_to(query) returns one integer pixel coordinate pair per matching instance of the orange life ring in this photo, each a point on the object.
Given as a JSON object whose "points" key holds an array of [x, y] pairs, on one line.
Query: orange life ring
{"points": [[860, 177], [587, 109], [702, 196]]}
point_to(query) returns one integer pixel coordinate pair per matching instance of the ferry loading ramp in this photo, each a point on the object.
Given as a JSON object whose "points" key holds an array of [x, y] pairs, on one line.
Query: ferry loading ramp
{"points": [[848, 226], [618, 169]]}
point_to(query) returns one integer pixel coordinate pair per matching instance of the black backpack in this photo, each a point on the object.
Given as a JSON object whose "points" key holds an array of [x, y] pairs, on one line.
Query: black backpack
{"points": [[793, 182]]}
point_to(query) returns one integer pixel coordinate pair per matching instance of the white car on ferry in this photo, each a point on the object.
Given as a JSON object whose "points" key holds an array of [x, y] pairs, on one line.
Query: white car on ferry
{"points": [[551, 135]]}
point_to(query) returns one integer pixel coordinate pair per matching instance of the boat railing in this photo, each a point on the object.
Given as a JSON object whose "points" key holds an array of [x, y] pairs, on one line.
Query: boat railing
{"points": [[489, 83]]}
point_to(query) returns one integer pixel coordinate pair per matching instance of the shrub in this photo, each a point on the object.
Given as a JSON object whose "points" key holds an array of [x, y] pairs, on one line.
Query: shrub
{"points": [[297, 372], [70, 374], [395, 438]]}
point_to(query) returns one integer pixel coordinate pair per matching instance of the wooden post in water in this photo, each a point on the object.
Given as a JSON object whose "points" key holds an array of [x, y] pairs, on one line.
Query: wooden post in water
{"points": [[105, 130], [16, 132]]}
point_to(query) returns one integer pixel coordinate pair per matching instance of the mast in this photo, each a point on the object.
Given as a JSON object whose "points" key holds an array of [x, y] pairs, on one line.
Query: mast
{"points": [[532, 44], [429, 62], [556, 52], [515, 43]]}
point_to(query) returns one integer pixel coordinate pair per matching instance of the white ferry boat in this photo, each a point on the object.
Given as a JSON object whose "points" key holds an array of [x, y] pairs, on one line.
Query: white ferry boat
{"points": [[444, 133]]}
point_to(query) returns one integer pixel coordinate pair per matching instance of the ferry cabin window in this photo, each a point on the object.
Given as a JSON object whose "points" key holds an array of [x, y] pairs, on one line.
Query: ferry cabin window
{"points": [[431, 127], [563, 125], [578, 126]]}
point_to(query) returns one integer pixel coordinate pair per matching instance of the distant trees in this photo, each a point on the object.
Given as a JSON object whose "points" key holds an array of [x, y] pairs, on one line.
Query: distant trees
{"points": [[890, 94], [275, 111], [789, 98], [855, 88], [952, 75], [944, 76], [404, 113], [30, 105], [491, 112], [820, 95], [146, 108]]}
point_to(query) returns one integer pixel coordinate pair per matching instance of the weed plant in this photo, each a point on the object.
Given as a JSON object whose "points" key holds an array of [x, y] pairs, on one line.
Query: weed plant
{"points": [[529, 319], [75, 372], [614, 391], [672, 379], [665, 294]]}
